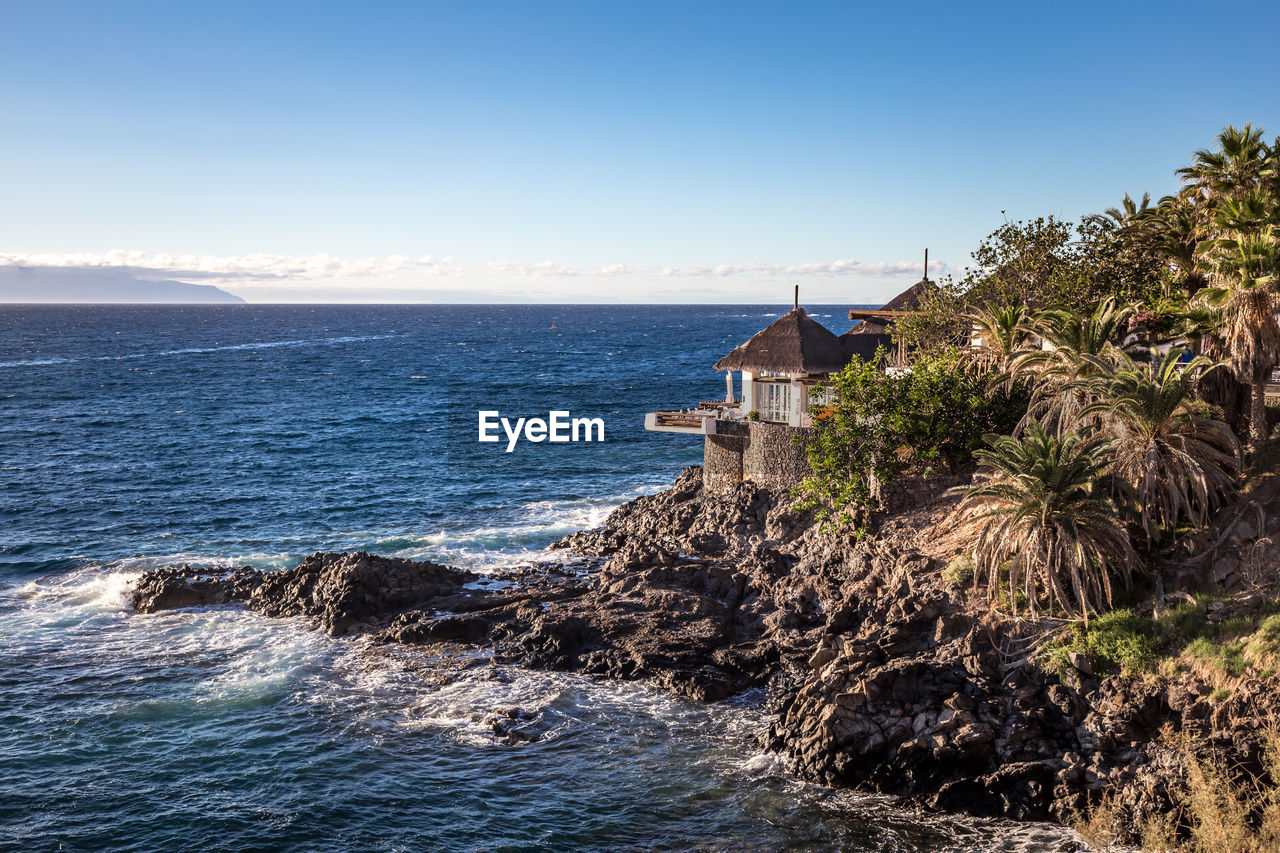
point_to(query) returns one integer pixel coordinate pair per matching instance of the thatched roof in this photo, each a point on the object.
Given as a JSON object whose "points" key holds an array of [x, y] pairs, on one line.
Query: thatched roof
{"points": [[905, 302], [862, 344], [793, 343]]}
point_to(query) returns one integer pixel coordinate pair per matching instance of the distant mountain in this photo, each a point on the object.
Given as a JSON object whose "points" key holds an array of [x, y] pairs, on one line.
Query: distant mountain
{"points": [[65, 284]]}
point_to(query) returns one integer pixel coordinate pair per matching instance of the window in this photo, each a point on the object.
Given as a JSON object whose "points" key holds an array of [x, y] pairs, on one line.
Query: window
{"points": [[775, 401]]}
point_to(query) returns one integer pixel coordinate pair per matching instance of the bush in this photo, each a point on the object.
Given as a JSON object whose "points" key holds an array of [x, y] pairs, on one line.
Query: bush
{"points": [[874, 425], [1116, 640], [959, 572]]}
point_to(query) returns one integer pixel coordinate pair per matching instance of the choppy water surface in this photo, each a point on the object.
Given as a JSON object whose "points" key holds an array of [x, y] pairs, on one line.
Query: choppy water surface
{"points": [[136, 437]]}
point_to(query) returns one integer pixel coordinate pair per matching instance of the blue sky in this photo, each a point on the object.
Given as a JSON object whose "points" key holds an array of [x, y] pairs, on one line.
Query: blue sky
{"points": [[649, 152]]}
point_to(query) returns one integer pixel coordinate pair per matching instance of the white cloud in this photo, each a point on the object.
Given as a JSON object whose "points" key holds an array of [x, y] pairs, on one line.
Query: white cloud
{"points": [[409, 277], [878, 269], [811, 268], [550, 268], [234, 268]]}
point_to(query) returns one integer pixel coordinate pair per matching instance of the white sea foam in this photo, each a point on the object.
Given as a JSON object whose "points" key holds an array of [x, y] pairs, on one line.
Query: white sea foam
{"points": [[86, 592], [763, 764], [256, 345], [36, 362], [520, 541]]}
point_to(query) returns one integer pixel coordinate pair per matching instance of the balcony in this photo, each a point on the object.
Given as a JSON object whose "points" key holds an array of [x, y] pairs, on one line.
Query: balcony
{"points": [[696, 421]]}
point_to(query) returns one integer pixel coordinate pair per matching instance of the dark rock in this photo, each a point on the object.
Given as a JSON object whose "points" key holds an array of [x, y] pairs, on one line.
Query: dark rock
{"points": [[878, 675], [1080, 662], [335, 591]]}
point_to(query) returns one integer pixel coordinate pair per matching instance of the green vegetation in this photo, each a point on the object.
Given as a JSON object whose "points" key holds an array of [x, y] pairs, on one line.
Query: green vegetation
{"points": [[1226, 657], [1043, 529], [1129, 643], [878, 424], [1116, 641], [1102, 451], [1040, 263], [1172, 457]]}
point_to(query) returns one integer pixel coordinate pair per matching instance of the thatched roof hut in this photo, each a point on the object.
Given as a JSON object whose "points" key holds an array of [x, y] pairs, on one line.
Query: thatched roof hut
{"points": [[879, 321], [794, 344], [864, 344], [872, 329]]}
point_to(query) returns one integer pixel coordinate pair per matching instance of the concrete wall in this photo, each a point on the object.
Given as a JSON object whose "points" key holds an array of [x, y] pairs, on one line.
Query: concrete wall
{"points": [[763, 453]]}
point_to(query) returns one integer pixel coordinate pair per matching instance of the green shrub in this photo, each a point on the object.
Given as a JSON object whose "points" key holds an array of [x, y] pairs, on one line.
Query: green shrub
{"points": [[1226, 657], [959, 572], [877, 424], [1122, 640], [1116, 640]]}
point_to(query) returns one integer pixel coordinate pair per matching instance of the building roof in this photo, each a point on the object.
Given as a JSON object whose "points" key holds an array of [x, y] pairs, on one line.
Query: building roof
{"points": [[863, 344], [878, 322], [794, 343]]}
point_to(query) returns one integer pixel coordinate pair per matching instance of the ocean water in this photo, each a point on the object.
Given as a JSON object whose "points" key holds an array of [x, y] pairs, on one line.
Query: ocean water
{"points": [[135, 437]]}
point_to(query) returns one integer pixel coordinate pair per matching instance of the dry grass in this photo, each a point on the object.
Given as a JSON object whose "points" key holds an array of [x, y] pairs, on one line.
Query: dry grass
{"points": [[1103, 826], [1108, 826], [1227, 810], [1220, 808]]}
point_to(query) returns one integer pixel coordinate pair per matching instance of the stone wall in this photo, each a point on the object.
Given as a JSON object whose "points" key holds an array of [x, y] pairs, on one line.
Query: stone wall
{"points": [[763, 453], [722, 455], [771, 458], [908, 493]]}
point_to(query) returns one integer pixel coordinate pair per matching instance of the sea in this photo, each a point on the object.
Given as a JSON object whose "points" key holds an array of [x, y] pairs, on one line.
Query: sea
{"points": [[133, 437]]}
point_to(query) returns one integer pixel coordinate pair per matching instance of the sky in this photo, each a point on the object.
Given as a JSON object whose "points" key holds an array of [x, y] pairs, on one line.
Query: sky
{"points": [[694, 151]]}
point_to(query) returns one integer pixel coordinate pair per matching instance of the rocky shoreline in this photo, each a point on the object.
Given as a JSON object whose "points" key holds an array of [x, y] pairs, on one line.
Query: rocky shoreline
{"points": [[880, 677]]}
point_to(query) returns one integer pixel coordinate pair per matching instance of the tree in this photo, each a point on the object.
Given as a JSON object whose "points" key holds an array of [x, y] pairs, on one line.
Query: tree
{"points": [[875, 425], [1060, 373], [1020, 263], [1241, 163], [1000, 332], [1045, 531], [1126, 215], [1244, 262], [1170, 232], [1038, 263], [1174, 459]]}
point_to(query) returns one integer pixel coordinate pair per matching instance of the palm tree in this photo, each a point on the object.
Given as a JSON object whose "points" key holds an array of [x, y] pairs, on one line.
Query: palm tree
{"points": [[1043, 516], [1119, 218], [1069, 355], [1241, 162], [999, 333], [1171, 231], [1245, 261], [1175, 460]]}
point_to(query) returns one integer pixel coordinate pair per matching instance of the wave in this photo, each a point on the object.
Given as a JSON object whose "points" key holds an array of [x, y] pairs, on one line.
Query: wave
{"points": [[83, 621], [521, 540], [37, 362], [257, 345]]}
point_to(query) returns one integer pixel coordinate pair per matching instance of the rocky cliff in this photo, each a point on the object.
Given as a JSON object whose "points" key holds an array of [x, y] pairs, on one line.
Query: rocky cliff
{"points": [[880, 676]]}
